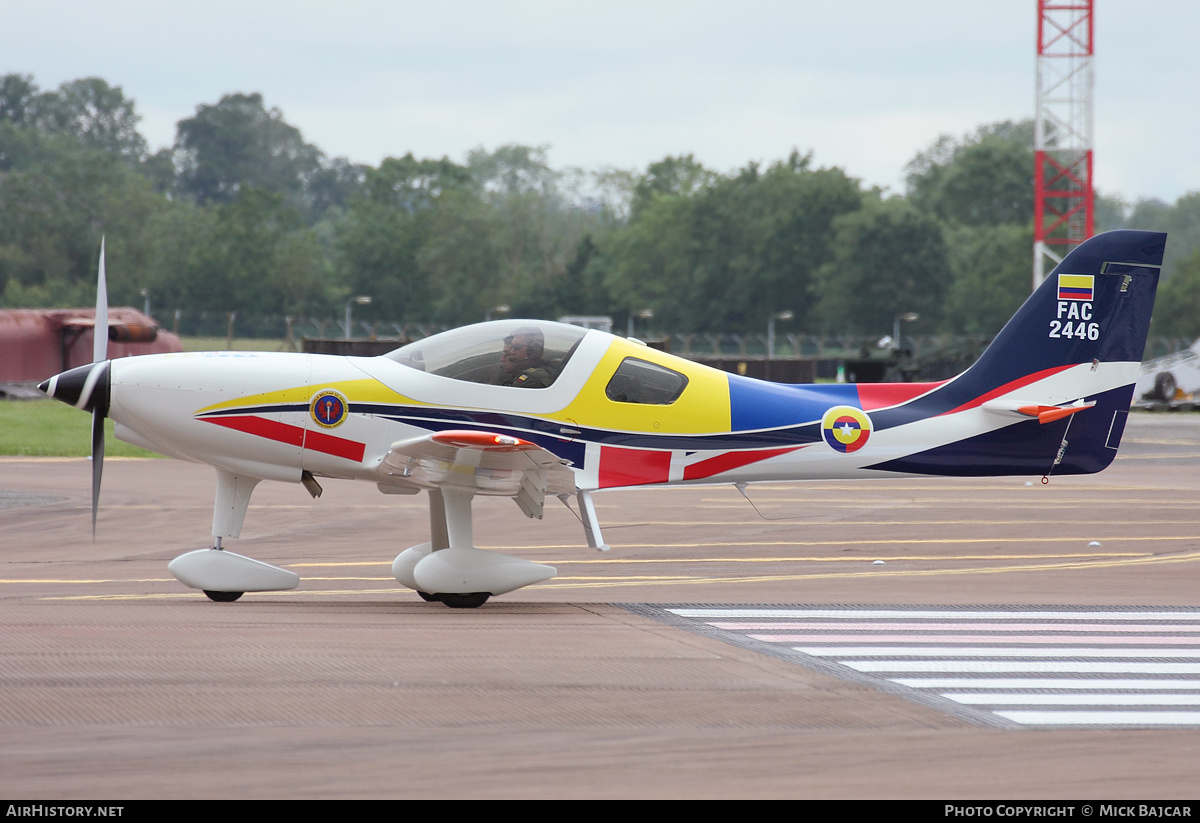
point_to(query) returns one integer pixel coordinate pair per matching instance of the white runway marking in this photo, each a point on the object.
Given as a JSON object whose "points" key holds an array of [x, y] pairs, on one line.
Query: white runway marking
{"points": [[1119, 667]]}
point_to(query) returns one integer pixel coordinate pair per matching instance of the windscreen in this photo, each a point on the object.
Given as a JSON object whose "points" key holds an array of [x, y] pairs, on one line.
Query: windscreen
{"points": [[498, 353]]}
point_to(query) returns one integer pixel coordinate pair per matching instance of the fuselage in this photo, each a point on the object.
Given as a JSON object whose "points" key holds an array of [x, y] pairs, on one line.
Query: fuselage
{"points": [[275, 415]]}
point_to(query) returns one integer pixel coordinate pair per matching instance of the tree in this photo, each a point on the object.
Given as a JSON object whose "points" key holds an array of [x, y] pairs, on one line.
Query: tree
{"points": [[17, 95], [991, 273], [582, 289], [96, 113], [888, 258], [56, 200], [238, 143], [729, 254], [984, 179], [1180, 220], [670, 177], [255, 257], [389, 222], [1177, 309]]}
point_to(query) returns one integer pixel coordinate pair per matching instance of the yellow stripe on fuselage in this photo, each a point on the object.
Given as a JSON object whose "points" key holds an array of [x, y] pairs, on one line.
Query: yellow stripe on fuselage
{"points": [[357, 391], [703, 407]]}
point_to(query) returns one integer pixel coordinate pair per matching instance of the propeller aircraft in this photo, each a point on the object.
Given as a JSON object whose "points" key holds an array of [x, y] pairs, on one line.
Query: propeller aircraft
{"points": [[528, 409]]}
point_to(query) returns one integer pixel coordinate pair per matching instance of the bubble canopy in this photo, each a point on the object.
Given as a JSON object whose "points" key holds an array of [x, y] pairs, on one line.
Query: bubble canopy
{"points": [[472, 353]]}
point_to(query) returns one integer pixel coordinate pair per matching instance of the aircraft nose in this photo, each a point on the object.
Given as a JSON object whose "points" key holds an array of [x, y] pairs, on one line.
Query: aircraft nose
{"points": [[84, 387]]}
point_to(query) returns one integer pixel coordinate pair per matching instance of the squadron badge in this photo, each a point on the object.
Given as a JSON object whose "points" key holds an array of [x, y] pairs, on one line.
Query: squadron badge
{"points": [[329, 409]]}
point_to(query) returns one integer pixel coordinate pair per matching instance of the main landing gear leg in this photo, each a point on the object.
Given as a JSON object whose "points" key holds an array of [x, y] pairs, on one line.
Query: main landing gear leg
{"points": [[450, 569]]}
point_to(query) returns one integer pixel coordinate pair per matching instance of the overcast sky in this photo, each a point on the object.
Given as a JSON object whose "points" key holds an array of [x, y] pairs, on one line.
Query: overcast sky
{"points": [[862, 85]]}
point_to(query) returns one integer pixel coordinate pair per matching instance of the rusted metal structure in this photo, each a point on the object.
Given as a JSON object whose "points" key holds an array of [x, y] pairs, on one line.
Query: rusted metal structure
{"points": [[38, 343]]}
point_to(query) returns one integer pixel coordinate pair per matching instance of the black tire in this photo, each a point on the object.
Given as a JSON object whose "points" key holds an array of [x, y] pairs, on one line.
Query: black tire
{"points": [[223, 597], [465, 601], [1164, 387], [427, 597]]}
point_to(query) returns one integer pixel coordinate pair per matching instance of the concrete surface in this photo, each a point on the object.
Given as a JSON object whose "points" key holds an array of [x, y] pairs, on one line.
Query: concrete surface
{"points": [[117, 682]]}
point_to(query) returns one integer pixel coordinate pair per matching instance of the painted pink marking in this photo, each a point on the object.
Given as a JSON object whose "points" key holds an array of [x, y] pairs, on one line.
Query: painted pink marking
{"points": [[997, 639], [874, 396], [856, 625]]}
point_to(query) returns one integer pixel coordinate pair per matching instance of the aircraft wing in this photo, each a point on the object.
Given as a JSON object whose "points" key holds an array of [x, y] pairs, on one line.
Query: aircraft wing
{"points": [[478, 462]]}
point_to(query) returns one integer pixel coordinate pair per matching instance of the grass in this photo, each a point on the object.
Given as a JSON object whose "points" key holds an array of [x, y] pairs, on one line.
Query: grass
{"points": [[48, 428], [239, 344]]}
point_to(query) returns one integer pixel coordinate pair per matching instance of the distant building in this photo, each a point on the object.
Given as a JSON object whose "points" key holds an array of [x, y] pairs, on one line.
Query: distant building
{"points": [[39, 343]]}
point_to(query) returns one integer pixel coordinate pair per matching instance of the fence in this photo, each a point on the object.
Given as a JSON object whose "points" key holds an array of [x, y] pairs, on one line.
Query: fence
{"points": [[231, 324]]}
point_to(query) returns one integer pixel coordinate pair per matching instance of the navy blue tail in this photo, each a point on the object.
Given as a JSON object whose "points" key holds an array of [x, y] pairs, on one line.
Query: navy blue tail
{"points": [[1051, 330], [1093, 309]]}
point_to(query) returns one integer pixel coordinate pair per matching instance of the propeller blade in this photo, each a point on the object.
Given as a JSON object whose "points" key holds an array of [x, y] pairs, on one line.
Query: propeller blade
{"points": [[99, 407], [88, 388], [100, 330], [97, 462]]}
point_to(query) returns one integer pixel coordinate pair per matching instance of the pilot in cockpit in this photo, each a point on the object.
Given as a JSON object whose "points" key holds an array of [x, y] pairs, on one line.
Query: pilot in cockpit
{"points": [[522, 363]]}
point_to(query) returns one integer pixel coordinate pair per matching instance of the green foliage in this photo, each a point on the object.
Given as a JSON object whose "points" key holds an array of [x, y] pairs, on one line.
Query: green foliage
{"points": [[56, 201], [670, 177], [17, 93], [243, 215], [1177, 309], [1181, 222], [386, 225], [992, 276], [888, 258], [984, 180], [1111, 213], [257, 253], [96, 114], [732, 252], [536, 224], [239, 143], [583, 288]]}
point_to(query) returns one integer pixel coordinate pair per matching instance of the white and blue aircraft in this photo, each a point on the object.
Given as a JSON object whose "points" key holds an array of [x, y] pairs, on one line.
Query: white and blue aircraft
{"points": [[528, 409]]}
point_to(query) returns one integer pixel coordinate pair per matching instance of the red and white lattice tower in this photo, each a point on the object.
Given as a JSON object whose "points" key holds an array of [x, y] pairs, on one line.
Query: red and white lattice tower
{"points": [[1063, 199]]}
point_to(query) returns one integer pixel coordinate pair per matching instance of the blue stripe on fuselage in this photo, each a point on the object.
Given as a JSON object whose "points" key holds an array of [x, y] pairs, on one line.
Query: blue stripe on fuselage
{"points": [[757, 404]]}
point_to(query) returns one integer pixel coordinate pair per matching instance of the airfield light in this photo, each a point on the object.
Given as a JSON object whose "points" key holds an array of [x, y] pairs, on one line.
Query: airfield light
{"points": [[645, 314], [909, 317], [362, 300], [783, 315]]}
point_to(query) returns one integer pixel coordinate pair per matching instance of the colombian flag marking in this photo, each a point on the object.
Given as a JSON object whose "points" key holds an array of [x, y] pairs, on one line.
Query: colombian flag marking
{"points": [[846, 429], [1075, 286]]}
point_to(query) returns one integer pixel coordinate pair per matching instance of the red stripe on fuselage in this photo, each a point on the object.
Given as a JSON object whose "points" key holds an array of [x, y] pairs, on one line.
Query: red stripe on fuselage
{"points": [[270, 429], [292, 435], [730, 461], [884, 395], [633, 467], [1011, 386], [336, 446]]}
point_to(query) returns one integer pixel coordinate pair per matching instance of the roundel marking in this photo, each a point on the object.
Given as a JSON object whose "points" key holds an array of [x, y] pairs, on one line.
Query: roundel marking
{"points": [[329, 409], [846, 429]]}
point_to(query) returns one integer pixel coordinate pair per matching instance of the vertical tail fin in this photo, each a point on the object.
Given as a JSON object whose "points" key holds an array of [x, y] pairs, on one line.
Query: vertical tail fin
{"points": [[1094, 306], [1052, 391]]}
